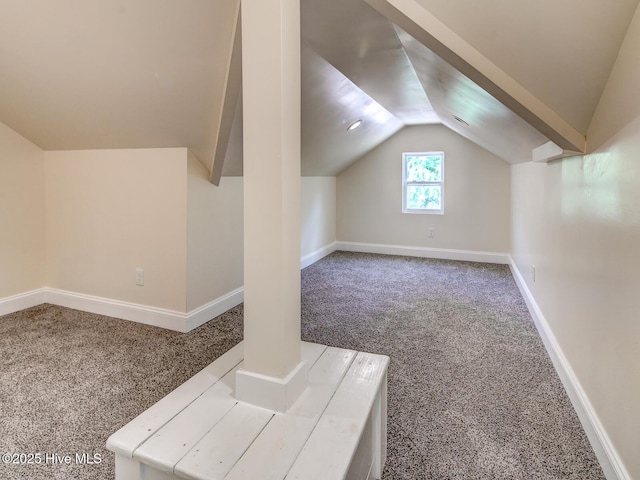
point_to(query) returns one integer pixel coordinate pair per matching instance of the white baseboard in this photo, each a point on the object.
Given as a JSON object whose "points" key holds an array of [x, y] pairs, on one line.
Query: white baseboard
{"points": [[425, 252], [21, 301], [157, 317], [185, 322], [313, 257], [271, 393], [203, 314], [607, 455]]}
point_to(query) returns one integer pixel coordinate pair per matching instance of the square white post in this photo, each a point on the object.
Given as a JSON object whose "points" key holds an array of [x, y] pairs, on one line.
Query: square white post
{"points": [[273, 374]]}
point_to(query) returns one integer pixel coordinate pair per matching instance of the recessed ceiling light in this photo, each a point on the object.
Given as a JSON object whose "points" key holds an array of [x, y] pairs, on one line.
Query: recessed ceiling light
{"points": [[461, 120], [354, 125]]}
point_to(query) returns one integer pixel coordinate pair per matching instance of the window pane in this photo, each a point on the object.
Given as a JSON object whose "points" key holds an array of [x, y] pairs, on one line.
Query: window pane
{"points": [[423, 197], [424, 168]]}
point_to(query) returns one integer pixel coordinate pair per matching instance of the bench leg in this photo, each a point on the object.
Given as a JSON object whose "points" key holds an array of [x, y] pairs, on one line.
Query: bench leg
{"points": [[380, 430], [127, 468], [131, 469]]}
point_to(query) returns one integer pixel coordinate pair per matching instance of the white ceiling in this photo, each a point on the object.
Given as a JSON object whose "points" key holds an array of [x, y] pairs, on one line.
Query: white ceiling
{"points": [[150, 73], [78, 74], [364, 47], [330, 103], [487, 122], [562, 51]]}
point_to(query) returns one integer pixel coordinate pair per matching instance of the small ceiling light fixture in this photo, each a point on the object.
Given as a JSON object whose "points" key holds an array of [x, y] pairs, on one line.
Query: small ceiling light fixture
{"points": [[460, 120], [354, 125]]}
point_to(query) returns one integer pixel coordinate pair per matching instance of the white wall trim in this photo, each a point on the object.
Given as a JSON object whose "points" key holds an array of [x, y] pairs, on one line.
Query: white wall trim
{"points": [[272, 393], [313, 257], [185, 322], [158, 317], [606, 453], [203, 314], [425, 252], [21, 301]]}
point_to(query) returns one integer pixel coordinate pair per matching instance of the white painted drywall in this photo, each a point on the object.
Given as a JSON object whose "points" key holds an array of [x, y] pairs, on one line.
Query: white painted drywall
{"points": [[21, 214], [215, 235], [578, 221], [112, 211], [318, 228], [476, 196], [575, 39], [215, 230], [620, 102], [109, 212], [102, 75]]}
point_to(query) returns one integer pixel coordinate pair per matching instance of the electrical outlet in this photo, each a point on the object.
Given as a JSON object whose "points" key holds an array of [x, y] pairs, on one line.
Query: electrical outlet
{"points": [[533, 272], [140, 277], [432, 232]]}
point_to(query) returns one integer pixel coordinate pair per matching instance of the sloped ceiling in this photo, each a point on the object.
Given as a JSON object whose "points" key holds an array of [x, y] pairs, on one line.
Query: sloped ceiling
{"points": [[561, 51], [364, 47], [78, 74], [469, 110], [150, 73], [331, 102]]}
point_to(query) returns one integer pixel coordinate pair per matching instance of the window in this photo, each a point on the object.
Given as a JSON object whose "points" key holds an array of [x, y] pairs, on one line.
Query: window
{"points": [[423, 182]]}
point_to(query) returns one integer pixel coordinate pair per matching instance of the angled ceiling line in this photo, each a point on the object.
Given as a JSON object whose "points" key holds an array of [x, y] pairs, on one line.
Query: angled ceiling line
{"points": [[330, 117], [435, 117], [307, 43], [489, 123], [231, 93], [361, 43], [436, 36]]}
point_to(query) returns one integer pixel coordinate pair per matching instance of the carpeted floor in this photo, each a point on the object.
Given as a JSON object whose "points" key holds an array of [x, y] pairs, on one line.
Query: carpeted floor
{"points": [[472, 393]]}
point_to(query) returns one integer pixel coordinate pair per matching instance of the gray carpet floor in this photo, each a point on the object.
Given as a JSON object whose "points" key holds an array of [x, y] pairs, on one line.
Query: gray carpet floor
{"points": [[472, 393]]}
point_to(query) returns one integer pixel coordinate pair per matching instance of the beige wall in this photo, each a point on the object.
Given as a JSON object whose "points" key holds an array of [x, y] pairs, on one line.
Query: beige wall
{"points": [[215, 236], [22, 230], [620, 102], [369, 196], [215, 230], [578, 221], [318, 203], [109, 212]]}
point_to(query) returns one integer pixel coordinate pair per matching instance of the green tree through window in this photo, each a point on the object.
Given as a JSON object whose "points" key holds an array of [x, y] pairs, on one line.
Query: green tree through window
{"points": [[423, 182]]}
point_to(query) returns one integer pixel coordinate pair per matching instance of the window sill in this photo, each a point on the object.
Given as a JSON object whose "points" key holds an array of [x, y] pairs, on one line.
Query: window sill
{"points": [[424, 212]]}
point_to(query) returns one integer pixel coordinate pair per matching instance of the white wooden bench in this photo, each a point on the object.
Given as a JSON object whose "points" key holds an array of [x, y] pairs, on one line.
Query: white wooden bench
{"points": [[335, 430]]}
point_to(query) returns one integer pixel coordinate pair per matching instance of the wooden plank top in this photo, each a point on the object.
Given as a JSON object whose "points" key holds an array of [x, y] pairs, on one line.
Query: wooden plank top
{"points": [[201, 432], [271, 454], [174, 440], [331, 447], [221, 448], [126, 440]]}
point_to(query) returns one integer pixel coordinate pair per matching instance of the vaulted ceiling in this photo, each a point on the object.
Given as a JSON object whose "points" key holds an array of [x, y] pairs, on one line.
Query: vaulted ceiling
{"points": [[151, 73]]}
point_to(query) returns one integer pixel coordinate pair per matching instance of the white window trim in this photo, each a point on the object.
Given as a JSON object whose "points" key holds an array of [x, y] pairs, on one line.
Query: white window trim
{"points": [[405, 184]]}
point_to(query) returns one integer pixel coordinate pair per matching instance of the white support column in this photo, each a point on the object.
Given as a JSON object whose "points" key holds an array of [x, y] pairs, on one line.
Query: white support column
{"points": [[273, 374]]}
